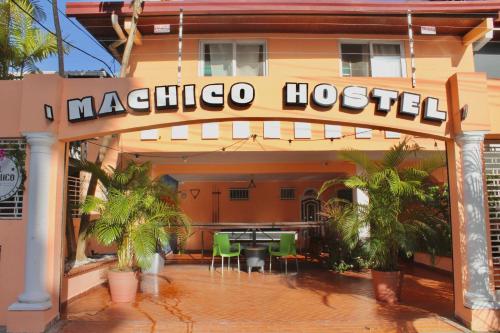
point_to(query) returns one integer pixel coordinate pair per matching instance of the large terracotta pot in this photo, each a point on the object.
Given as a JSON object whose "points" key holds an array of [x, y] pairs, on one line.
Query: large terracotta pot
{"points": [[387, 286], [123, 285]]}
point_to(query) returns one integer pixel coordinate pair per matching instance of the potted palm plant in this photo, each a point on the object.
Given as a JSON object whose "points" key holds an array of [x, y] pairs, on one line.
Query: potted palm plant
{"points": [[134, 216], [390, 184]]}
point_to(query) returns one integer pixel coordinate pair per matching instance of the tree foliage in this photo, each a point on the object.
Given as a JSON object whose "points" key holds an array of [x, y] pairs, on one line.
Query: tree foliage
{"points": [[137, 213], [22, 43], [393, 186]]}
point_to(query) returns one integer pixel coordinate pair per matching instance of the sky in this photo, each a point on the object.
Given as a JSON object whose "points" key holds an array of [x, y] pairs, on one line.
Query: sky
{"points": [[75, 60]]}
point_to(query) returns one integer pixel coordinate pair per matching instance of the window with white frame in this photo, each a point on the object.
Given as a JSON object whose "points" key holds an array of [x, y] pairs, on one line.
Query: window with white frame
{"points": [[376, 59], [233, 58]]}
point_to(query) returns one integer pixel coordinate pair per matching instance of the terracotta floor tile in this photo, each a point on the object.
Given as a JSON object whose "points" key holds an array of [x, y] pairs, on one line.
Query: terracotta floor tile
{"points": [[190, 298]]}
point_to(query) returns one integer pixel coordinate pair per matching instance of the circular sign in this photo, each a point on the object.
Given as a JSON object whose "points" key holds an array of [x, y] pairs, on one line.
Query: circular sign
{"points": [[10, 178]]}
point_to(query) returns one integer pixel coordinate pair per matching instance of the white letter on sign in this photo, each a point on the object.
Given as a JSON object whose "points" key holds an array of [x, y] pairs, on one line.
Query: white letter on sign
{"points": [[188, 96], [213, 94], [409, 104], [385, 99], [431, 111], [324, 95], [166, 97], [354, 98], [111, 104], [296, 94], [81, 109], [242, 94], [138, 100]]}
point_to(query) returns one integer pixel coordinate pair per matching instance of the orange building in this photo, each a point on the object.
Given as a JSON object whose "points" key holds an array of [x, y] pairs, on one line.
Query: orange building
{"points": [[247, 109]]}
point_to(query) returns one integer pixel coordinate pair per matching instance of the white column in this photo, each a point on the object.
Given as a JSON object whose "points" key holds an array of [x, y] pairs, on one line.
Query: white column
{"points": [[35, 296], [478, 294], [361, 198]]}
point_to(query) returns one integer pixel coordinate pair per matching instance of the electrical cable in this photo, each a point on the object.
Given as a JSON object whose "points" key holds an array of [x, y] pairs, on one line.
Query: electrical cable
{"points": [[68, 43], [225, 148], [85, 32]]}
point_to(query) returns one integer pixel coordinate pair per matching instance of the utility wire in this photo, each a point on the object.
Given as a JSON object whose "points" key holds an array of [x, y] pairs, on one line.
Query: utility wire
{"points": [[85, 32], [241, 143], [65, 41]]}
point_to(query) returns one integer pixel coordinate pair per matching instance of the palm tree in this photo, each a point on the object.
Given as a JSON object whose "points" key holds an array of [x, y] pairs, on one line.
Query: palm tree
{"points": [[22, 44], [391, 184], [137, 213]]}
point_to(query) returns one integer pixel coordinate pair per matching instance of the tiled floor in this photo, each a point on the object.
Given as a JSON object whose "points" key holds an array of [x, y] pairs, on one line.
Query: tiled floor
{"points": [[190, 298]]}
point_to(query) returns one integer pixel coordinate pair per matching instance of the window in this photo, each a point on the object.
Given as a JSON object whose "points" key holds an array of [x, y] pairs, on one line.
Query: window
{"points": [[210, 131], [151, 134], [287, 193], [376, 59], [363, 133], [238, 194], [229, 58], [333, 131], [12, 208], [392, 135], [241, 129], [302, 130], [272, 129], [180, 132]]}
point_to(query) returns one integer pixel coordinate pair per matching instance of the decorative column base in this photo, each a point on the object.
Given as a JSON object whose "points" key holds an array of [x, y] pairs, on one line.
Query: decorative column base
{"points": [[19, 306], [476, 302]]}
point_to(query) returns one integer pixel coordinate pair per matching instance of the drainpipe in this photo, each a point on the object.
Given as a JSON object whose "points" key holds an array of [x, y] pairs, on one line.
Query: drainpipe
{"points": [[121, 37]]}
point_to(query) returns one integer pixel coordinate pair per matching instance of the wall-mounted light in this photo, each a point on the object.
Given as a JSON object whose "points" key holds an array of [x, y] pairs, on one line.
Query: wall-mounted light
{"points": [[49, 112], [464, 112]]}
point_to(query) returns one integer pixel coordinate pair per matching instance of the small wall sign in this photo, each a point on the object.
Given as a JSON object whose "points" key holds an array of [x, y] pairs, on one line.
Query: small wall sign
{"points": [[10, 178]]}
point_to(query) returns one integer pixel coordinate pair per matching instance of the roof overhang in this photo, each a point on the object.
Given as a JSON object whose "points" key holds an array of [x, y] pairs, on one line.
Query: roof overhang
{"points": [[455, 18]]}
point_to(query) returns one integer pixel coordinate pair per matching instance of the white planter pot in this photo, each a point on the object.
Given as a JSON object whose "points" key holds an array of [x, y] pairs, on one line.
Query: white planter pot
{"points": [[157, 265]]}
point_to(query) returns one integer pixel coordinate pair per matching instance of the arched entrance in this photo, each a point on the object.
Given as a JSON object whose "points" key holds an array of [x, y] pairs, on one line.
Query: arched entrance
{"points": [[463, 135]]}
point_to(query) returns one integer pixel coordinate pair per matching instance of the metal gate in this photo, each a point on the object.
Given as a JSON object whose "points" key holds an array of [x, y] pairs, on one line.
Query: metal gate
{"points": [[492, 166]]}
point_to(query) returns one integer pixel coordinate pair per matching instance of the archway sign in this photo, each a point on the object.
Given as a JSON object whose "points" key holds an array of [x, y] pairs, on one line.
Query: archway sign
{"points": [[92, 108]]}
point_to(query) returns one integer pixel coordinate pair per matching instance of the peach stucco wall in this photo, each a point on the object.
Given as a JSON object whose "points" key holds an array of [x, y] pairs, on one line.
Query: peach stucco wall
{"points": [[264, 205], [444, 70]]}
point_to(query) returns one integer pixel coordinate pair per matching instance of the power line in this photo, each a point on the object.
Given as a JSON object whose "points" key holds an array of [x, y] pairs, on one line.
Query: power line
{"points": [[241, 143], [68, 43], [85, 32]]}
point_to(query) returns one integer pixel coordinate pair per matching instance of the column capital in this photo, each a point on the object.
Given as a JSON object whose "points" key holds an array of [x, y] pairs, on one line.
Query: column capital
{"points": [[40, 142], [39, 138], [470, 137]]}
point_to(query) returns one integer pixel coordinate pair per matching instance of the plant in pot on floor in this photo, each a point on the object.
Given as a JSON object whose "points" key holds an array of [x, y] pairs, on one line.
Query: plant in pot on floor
{"points": [[390, 184], [133, 216]]}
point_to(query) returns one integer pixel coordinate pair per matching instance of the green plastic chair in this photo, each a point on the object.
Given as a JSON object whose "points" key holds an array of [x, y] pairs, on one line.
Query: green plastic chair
{"points": [[223, 248], [286, 248]]}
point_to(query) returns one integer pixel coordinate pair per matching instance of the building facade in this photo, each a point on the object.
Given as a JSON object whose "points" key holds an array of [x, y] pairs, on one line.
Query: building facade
{"points": [[246, 108]]}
